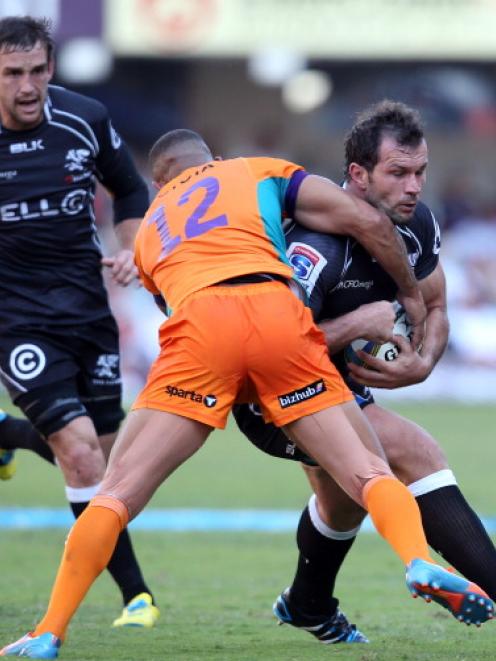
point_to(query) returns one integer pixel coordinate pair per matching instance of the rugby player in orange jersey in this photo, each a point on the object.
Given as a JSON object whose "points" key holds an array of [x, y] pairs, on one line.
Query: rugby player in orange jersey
{"points": [[212, 245]]}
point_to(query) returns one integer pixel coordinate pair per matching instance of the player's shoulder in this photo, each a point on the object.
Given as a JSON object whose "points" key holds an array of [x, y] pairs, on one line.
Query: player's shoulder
{"points": [[316, 248], [267, 166], [62, 100], [322, 241]]}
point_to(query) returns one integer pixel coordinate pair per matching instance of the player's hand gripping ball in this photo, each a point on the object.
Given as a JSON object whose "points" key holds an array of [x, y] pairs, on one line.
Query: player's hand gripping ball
{"points": [[387, 351]]}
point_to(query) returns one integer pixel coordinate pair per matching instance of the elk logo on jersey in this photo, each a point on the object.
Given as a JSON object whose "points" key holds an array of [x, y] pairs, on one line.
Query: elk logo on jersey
{"points": [[25, 147], [76, 160]]}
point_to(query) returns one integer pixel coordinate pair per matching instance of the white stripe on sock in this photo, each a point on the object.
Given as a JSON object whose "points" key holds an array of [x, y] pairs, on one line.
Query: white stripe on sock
{"points": [[323, 528], [442, 478], [81, 494]]}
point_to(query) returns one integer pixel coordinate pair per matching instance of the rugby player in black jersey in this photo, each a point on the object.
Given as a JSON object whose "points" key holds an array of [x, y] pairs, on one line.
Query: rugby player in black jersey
{"points": [[350, 295], [59, 353]]}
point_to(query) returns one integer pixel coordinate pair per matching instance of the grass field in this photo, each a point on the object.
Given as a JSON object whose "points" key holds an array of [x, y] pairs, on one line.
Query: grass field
{"points": [[215, 590]]}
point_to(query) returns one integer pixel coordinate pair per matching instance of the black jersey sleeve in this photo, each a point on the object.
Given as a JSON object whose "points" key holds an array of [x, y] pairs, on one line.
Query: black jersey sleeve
{"points": [[318, 260], [117, 172]]}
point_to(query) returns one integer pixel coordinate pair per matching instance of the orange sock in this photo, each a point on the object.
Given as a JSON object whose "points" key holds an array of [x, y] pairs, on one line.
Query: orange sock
{"points": [[396, 516], [89, 547]]}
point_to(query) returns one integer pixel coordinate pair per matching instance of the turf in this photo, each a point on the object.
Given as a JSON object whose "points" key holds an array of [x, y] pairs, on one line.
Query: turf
{"points": [[215, 590]]}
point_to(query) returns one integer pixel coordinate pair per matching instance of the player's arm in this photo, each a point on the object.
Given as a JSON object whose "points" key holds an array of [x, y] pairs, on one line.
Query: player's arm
{"points": [[413, 366], [323, 206], [373, 321], [118, 173], [123, 269]]}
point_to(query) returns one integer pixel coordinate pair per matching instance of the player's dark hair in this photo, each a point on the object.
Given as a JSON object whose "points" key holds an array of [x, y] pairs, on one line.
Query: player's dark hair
{"points": [[174, 138], [393, 118], [24, 32]]}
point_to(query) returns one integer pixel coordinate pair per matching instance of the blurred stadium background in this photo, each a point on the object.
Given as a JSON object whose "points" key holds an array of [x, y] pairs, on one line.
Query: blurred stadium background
{"points": [[286, 79], [283, 78]]}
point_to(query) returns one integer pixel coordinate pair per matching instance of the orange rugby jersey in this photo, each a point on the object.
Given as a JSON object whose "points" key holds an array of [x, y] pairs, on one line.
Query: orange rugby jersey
{"points": [[217, 221]]}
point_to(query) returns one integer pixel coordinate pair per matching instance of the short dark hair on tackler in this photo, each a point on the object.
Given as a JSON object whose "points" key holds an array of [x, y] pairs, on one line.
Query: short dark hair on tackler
{"points": [[173, 138]]}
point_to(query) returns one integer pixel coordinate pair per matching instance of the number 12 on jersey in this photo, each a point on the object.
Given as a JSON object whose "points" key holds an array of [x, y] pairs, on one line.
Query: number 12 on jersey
{"points": [[196, 223]]}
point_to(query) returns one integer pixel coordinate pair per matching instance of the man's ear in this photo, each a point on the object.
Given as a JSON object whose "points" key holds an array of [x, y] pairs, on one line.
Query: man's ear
{"points": [[359, 175]]}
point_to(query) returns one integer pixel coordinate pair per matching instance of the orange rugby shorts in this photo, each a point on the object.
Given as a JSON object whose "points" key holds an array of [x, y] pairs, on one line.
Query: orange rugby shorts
{"points": [[225, 341]]}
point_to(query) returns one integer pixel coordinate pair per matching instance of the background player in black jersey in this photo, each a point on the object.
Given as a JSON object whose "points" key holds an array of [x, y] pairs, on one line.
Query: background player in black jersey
{"points": [[59, 354], [350, 295]]}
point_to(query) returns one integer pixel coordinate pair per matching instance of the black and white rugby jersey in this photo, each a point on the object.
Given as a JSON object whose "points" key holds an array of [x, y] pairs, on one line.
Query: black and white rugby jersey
{"points": [[49, 251], [339, 275]]}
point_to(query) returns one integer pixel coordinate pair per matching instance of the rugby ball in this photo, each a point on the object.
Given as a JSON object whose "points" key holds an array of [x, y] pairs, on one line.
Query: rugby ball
{"points": [[387, 351]]}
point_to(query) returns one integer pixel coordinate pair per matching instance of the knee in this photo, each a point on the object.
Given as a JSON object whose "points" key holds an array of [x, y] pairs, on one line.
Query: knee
{"points": [[340, 516], [413, 458], [78, 454], [334, 507]]}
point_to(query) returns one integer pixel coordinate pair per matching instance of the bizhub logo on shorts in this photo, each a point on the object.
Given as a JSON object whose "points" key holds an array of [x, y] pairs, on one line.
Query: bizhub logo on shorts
{"points": [[27, 361], [208, 400], [302, 394]]}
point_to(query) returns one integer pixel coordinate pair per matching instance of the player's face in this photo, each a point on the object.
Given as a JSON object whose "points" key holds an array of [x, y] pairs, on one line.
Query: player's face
{"points": [[24, 78], [396, 182]]}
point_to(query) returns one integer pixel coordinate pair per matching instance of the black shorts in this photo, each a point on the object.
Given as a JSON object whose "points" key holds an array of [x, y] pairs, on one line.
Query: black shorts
{"points": [[271, 439], [55, 375]]}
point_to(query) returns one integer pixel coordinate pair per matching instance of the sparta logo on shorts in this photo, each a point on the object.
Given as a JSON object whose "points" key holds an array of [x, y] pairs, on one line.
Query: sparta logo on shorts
{"points": [[302, 394], [208, 400]]}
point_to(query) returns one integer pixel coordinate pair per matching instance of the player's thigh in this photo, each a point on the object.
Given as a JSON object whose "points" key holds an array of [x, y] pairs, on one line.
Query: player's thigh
{"points": [[150, 446], [330, 438], [335, 507], [411, 451], [265, 436]]}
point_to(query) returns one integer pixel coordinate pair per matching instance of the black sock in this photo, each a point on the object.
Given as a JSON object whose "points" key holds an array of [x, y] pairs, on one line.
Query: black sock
{"points": [[123, 566], [319, 562], [19, 434], [455, 531]]}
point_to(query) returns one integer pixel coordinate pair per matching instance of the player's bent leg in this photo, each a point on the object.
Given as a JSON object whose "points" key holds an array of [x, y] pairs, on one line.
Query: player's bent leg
{"points": [[451, 526], [161, 443], [334, 506], [390, 505], [164, 442], [411, 451], [330, 436], [309, 602], [139, 609]]}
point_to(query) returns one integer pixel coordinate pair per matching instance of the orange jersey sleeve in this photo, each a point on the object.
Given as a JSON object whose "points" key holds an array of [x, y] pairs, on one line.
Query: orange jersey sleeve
{"points": [[213, 222]]}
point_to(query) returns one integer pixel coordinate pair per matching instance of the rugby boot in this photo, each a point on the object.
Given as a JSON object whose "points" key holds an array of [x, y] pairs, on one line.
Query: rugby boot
{"points": [[330, 629], [465, 600], [139, 612], [44, 646]]}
